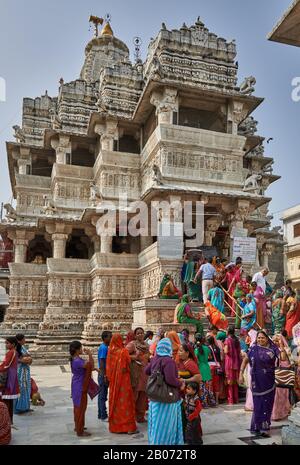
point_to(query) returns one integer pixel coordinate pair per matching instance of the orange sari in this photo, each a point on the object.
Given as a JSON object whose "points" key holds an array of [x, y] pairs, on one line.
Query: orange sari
{"points": [[121, 400]]}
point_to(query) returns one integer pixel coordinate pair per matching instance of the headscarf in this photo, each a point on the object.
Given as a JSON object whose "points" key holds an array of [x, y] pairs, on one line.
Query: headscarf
{"points": [[130, 337], [173, 336], [164, 348], [221, 336], [179, 310], [117, 357], [164, 282]]}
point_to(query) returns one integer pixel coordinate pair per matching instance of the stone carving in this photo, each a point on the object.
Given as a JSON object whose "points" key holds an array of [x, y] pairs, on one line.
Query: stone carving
{"points": [[248, 127], [19, 134], [247, 86], [96, 196], [49, 209], [157, 176], [11, 213], [251, 183]]}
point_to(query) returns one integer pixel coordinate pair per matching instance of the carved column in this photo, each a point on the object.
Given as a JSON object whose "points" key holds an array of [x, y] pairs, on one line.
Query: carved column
{"points": [[266, 253], [212, 226], [166, 103], [235, 115], [108, 133], [62, 146], [59, 245], [21, 240], [260, 241], [106, 244]]}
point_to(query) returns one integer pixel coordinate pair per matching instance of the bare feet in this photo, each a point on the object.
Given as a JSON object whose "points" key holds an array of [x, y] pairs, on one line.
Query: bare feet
{"points": [[85, 434]]}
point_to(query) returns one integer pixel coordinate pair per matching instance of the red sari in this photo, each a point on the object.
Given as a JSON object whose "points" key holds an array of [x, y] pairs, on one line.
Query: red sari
{"points": [[232, 278], [5, 425], [121, 400], [292, 317]]}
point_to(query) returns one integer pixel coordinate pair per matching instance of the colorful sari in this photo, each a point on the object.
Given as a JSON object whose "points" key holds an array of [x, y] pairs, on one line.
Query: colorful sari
{"points": [[5, 425], [278, 317], [259, 296], [216, 297], [121, 398], [232, 368], [238, 295], [81, 379], [216, 318], [168, 290], [262, 361], [282, 406], [194, 289], [292, 316], [11, 390], [232, 278], [174, 338], [138, 377], [248, 323], [23, 403], [184, 314]]}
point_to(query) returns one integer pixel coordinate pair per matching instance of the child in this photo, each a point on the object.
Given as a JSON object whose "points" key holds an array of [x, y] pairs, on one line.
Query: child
{"points": [[35, 396], [193, 407]]}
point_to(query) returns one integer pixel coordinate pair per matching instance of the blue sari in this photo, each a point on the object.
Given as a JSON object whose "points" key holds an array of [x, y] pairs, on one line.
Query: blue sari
{"points": [[249, 308], [216, 298], [23, 402]]}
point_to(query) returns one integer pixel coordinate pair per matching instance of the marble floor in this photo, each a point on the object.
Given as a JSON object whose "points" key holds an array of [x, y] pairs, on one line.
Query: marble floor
{"points": [[53, 424]]}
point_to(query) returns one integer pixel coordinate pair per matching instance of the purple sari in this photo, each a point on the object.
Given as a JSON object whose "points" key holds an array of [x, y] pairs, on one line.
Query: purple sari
{"points": [[262, 361]]}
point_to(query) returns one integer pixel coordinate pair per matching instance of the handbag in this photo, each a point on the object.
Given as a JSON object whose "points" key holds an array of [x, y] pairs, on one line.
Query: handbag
{"points": [[219, 370], [285, 377], [93, 389], [158, 390]]}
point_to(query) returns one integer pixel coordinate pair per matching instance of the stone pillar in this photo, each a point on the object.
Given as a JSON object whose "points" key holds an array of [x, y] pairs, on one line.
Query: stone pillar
{"points": [[106, 244], [236, 113], [62, 146], [240, 215], [166, 103], [22, 166], [96, 241], [59, 245], [260, 241], [266, 253], [212, 226], [21, 240], [108, 133]]}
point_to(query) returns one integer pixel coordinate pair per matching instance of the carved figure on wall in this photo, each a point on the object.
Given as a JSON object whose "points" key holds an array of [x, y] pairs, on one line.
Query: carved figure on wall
{"points": [[11, 214], [95, 194], [251, 183], [157, 176], [49, 209], [247, 86], [19, 134]]}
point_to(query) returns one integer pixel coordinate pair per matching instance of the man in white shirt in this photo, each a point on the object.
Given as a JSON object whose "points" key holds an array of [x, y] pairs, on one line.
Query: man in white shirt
{"points": [[208, 272], [260, 279]]}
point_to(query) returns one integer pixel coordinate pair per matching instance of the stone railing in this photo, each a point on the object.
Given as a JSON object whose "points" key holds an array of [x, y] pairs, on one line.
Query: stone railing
{"points": [[27, 269], [72, 171], [113, 260], [68, 265]]}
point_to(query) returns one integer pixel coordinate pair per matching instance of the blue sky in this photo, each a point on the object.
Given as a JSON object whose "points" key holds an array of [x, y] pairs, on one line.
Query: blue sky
{"points": [[42, 41]]}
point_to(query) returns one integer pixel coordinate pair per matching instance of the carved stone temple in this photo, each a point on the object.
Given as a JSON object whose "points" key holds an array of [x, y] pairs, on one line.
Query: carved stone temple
{"points": [[177, 126]]}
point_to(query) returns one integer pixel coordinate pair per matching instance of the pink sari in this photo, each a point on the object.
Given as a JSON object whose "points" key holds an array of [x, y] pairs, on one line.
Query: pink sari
{"points": [[260, 300]]}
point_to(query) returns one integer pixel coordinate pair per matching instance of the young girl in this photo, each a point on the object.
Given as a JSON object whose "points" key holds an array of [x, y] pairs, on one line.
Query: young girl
{"points": [[193, 408], [81, 371], [11, 389]]}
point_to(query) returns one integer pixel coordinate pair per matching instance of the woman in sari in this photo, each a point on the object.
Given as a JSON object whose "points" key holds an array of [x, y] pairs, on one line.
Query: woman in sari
{"points": [[278, 316], [22, 404], [11, 390], [259, 297], [121, 398], [139, 353], [5, 425], [282, 406], [81, 378], [239, 296], [292, 315], [202, 353], [185, 315], [233, 360], [216, 297], [168, 290], [231, 278], [262, 357], [215, 364], [174, 338], [249, 313], [165, 419], [194, 289]]}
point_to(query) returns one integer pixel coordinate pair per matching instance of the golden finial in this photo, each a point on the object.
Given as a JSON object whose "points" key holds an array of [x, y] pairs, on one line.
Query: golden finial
{"points": [[96, 21], [107, 30]]}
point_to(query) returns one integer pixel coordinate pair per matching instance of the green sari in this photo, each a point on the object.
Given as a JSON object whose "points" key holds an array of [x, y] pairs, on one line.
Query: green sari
{"points": [[238, 295], [194, 290], [182, 316], [278, 320]]}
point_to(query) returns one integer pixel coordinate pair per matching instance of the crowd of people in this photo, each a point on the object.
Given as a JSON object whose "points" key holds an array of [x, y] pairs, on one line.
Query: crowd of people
{"points": [[166, 379]]}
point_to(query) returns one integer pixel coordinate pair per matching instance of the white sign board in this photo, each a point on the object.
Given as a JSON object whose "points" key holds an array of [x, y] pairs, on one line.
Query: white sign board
{"points": [[170, 240], [244, 247]]}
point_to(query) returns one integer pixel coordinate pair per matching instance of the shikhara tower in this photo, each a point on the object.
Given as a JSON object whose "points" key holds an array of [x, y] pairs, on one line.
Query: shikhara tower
{"points": [[174, 127]]}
